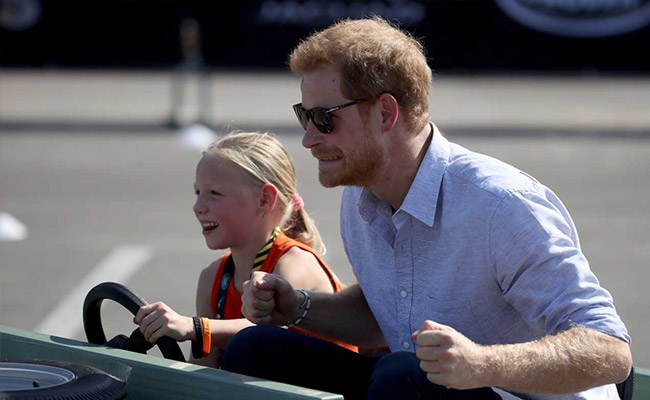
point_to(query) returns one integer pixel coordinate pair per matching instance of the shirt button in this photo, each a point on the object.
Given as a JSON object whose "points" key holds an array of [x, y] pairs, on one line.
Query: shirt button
{"points": [[403, 294], [406, 345]]}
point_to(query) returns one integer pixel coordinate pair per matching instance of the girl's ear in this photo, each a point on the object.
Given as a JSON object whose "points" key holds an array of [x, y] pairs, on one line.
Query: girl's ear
{"points": [[268, 198]]}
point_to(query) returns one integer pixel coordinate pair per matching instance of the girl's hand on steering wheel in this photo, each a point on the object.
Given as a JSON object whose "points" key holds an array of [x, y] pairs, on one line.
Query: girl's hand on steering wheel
{"points": [[158, 319]]}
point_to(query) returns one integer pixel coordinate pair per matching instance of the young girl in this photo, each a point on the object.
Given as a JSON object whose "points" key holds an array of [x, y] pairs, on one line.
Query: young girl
{"points": [[246, 201]]}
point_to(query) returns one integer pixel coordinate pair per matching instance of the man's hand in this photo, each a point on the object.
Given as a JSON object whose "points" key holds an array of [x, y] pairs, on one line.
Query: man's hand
{"points": [[270, 299], [158, 319], [449, 358]]}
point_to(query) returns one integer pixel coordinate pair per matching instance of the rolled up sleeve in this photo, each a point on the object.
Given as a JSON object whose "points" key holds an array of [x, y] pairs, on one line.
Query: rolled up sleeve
{"points": [[541, 270]]}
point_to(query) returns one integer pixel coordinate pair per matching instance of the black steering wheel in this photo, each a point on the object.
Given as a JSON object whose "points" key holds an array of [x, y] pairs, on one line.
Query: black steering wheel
{"points": [[132, 302]]}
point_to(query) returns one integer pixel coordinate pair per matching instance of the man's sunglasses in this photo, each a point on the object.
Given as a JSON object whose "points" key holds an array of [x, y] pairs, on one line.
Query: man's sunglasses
{"points": [[319, 116]]}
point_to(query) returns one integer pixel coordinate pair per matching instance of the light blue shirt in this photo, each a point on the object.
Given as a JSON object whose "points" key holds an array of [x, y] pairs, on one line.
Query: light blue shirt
{"points": [[477, 245]]}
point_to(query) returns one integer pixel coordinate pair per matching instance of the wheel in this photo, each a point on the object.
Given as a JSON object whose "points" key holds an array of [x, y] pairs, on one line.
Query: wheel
{"points": [[132, 302], [48, 379]]}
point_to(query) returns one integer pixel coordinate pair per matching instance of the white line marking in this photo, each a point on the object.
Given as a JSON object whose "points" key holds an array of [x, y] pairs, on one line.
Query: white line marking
{"points": [[11, 229], [119, 265]]}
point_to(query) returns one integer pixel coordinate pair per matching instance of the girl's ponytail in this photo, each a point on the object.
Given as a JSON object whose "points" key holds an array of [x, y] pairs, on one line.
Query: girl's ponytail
{"points": [[301, 227]]}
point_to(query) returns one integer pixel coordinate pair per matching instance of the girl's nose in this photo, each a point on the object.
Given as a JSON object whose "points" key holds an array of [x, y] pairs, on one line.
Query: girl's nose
{"points": [[199, 206]]}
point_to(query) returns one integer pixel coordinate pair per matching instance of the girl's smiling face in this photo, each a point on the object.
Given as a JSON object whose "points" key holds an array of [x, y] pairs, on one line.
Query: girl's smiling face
{"points": [[226, 203]]}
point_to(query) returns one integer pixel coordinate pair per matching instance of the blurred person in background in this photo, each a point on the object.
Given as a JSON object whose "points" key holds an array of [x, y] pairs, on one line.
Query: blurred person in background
{"points": [[192, 69], [468, 269]]}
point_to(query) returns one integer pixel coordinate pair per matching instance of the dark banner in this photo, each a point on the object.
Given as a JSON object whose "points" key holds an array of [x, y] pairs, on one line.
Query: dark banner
{"points": [[460, 35]]}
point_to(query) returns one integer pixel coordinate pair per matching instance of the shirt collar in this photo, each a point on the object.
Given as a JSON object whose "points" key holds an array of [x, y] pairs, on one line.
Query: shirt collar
{"points": [[422, 198]]}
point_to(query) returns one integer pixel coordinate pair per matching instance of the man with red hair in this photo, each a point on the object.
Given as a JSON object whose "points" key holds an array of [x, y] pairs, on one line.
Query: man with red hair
{"points": [[469, 270]]}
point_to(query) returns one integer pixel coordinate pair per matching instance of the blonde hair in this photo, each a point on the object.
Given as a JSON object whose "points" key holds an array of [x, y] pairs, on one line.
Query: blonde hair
{"points": [[264, 158], [375, 57]]}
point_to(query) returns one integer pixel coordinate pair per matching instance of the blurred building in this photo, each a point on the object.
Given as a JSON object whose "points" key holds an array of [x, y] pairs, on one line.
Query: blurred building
{"points": [[460, 35]]}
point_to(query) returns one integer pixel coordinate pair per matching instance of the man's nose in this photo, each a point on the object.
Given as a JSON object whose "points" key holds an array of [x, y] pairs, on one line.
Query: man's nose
{"points": [[312, 136]]}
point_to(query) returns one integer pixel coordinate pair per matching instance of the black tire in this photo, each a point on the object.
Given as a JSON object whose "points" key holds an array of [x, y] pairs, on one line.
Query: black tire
{"points": [[87, 382]]}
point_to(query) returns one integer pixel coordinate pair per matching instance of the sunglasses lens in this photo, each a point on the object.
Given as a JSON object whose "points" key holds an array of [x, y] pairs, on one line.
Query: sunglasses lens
{"points": [[302, 114], [319, 116], [322, 120]]}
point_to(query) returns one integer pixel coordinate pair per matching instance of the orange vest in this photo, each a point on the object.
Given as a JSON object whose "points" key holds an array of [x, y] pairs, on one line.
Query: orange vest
{"points": [[281, 245]]}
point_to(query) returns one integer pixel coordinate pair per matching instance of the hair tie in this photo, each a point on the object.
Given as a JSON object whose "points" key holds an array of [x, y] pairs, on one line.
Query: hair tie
{"points": [[298, 203]]}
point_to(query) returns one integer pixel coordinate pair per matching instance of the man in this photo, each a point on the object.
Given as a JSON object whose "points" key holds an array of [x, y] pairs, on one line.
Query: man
{"points": [[468, 269]]}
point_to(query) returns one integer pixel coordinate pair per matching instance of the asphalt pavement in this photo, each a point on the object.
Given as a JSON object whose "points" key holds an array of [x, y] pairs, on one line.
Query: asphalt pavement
{"points": [[104, 189]]}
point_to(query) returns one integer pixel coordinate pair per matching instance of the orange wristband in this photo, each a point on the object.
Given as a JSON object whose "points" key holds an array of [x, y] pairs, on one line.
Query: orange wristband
{"points": [[207, 338]]}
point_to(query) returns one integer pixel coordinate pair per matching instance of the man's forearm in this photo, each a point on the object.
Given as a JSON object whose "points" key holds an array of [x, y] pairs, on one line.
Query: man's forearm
{"points": [[344, 316], [568, 362]]}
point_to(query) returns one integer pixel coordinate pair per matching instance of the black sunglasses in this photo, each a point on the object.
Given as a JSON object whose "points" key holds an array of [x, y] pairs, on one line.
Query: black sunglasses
{"points": [[319, 116]]}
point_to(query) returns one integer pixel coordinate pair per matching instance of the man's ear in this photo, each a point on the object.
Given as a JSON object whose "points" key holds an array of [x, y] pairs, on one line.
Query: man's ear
{"points": [[389, 109], [268, 198]]}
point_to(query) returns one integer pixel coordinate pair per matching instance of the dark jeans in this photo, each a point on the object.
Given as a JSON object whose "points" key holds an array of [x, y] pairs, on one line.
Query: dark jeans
{"points": [[282, 355]]}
